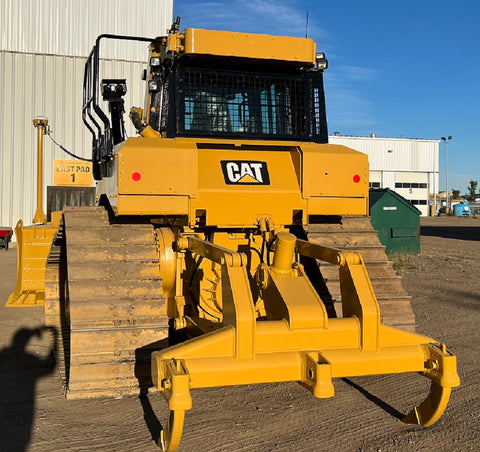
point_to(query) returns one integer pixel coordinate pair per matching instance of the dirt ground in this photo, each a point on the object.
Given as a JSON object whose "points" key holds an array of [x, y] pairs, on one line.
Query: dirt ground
{"points": [[364, 415]]}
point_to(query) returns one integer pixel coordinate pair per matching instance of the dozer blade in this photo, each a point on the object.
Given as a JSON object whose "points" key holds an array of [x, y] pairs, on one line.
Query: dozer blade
{"points": [[33, 246]]}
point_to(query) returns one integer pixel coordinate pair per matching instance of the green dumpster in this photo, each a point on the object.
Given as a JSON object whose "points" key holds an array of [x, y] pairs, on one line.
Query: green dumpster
{"points": [[396, 220]]}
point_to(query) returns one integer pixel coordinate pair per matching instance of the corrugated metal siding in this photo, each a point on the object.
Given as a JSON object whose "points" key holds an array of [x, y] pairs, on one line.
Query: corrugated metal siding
{"points": [[50, 86], [399, 160], [405, 176], [394, 154], [43, 45], [70, 27]]}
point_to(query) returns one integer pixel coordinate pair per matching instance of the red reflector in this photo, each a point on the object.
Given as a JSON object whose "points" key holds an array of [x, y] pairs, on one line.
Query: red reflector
{"points": [[136, 176], [356, 178]]}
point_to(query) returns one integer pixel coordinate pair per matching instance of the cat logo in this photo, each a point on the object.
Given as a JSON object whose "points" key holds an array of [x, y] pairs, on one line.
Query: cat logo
{"points": [[245, 172]]}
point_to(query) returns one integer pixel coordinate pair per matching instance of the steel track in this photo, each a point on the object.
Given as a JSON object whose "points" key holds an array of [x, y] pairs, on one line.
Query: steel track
{"points": [[357, 234], [104, 296]]}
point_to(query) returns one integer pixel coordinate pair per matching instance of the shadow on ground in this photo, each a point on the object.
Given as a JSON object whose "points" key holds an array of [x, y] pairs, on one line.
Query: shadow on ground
{"points": [[19, 372], [153, 424], [452, 232], [376, 400]]}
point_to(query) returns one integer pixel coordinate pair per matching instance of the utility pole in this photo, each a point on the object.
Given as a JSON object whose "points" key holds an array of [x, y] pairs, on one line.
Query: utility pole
{"points": [[446, 140]]}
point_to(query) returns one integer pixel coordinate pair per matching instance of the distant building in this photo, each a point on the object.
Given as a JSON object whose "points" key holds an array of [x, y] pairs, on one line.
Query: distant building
{"points": [[408, 166]]}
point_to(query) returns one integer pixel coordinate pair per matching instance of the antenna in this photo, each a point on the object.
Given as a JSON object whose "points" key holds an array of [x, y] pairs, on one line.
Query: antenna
{"points": [[306, 26]]}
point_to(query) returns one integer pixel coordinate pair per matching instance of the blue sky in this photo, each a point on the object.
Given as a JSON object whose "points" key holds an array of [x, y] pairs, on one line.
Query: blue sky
{"points": [[396, 68]]}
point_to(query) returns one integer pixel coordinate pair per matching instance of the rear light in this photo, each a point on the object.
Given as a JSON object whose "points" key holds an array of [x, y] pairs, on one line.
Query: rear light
{"points": [[136, 176]]}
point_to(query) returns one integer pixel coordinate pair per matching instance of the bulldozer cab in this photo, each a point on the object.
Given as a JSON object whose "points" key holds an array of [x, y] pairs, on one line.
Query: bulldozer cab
{"points": [[194, 93], [243, 101], [205, 83]]}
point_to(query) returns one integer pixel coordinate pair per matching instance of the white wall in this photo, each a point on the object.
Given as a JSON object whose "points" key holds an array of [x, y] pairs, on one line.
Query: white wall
{"points": [[50, 86], [394, 160], [42, 56], [70, 27], [394, 154]]}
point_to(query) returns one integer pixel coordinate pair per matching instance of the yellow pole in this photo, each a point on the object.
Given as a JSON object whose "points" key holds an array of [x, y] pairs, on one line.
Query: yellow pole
{"points": [[41, 126]]}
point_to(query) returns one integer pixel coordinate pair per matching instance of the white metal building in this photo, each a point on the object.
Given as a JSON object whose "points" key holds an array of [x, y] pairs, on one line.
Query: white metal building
{"points": [[408, 166], [43, 48]]}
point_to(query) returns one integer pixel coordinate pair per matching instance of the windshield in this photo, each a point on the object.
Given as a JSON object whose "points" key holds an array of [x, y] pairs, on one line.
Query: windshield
{"points": [[250, 105]]}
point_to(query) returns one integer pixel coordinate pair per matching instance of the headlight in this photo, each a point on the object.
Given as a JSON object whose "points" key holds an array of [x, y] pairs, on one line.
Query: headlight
{"points": [[153, 85], [121, 88], [321, 60]]}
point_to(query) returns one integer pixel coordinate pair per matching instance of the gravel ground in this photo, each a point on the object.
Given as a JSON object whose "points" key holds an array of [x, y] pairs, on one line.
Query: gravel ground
{"points": [[364, 415]]}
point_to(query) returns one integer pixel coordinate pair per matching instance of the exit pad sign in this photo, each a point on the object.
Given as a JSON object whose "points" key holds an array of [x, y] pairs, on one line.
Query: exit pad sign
{"points": [[72, 172]]}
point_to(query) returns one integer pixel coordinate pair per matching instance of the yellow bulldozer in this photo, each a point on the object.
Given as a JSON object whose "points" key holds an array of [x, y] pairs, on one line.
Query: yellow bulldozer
{"points": [[231, 244]]}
